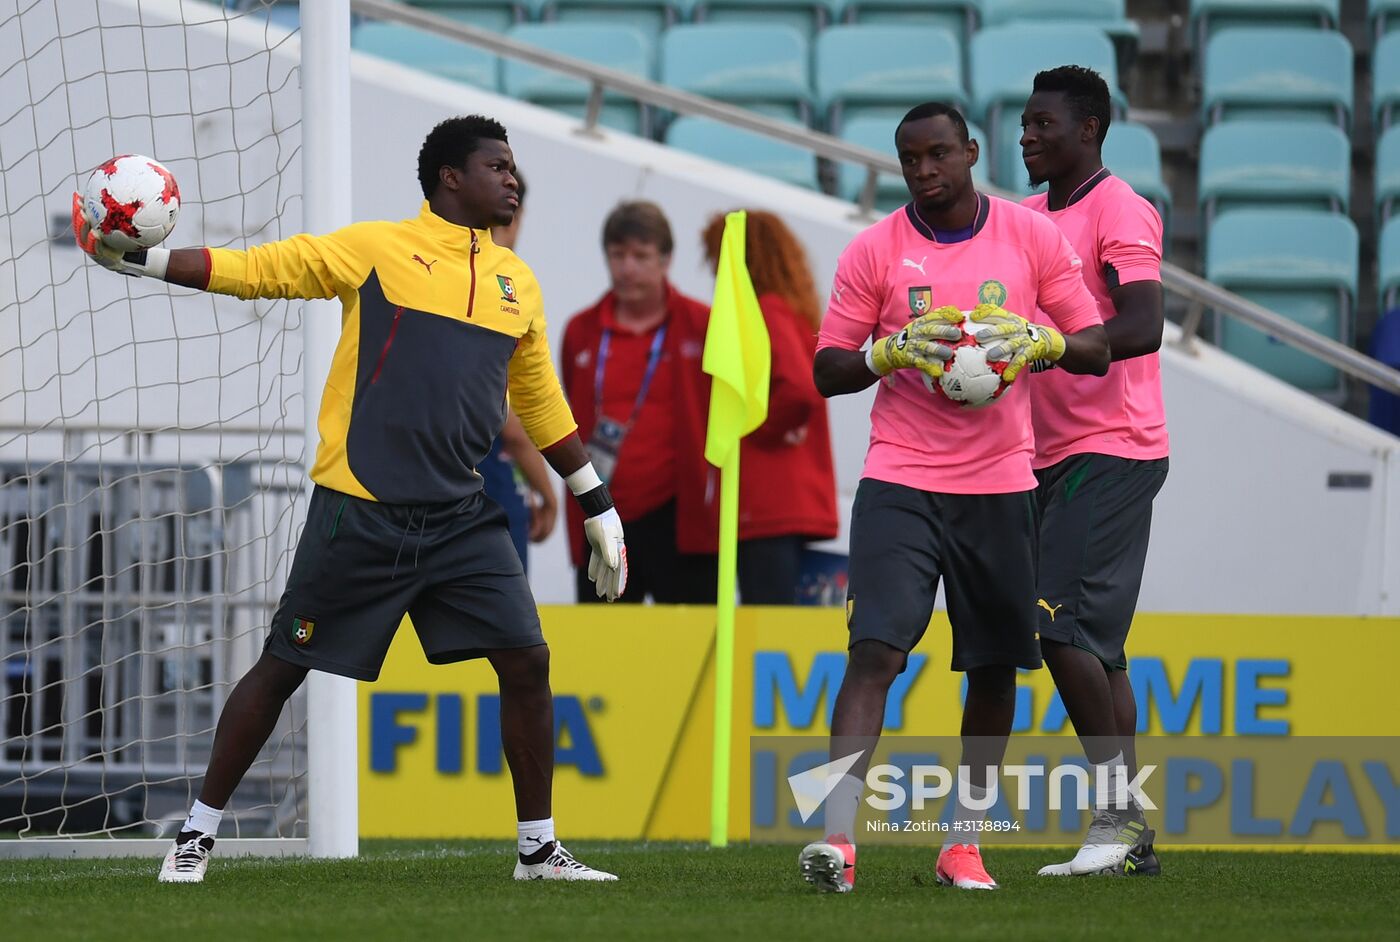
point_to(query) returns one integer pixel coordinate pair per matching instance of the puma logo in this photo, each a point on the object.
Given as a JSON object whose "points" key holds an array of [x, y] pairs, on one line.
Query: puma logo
{"points": [[910, 263], [427, 265], [1046, 605]]}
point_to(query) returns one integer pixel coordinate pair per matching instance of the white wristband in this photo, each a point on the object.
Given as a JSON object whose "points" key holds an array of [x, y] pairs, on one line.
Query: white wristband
{"points": [[157, 260], [870, 360], [583, 480]]}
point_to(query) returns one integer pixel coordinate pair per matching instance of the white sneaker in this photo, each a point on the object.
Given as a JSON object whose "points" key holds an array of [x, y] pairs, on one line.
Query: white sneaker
{"points": [[1112, 834], [188, 858], [559, 864]]}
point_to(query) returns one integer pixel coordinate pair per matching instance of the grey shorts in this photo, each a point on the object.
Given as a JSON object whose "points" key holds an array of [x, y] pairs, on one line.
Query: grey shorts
{"points": [[361, 566], [904, 541], [1095, 518]]}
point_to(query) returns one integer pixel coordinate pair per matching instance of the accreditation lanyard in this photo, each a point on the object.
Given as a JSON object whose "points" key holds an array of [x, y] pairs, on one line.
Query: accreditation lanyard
{"points": [[653, 358], [605, 443]]}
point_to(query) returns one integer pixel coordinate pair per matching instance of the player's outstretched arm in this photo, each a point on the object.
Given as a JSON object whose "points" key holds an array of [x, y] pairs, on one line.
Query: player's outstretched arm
{"points": [[607, 566], [1135, 330]]}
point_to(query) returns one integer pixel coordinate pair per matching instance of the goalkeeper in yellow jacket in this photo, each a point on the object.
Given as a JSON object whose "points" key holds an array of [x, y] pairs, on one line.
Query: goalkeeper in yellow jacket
{"points": [[439, 323]]}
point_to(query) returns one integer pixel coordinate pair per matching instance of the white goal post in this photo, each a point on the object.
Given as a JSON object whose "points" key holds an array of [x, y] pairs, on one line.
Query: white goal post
{"points": [[153, 445]]}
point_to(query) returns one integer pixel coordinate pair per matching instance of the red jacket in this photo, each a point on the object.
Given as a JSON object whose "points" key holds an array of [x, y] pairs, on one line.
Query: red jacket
{"points": [[681, 355], [787, 482]]}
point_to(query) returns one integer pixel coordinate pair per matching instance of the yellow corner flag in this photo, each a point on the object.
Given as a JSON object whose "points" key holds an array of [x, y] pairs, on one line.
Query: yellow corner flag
{"points": [[737, 353], [738, 356]]}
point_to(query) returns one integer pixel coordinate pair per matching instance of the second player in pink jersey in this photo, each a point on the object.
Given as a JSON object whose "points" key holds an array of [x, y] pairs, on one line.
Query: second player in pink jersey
{"points": [[947, 492], [1101, 452]]}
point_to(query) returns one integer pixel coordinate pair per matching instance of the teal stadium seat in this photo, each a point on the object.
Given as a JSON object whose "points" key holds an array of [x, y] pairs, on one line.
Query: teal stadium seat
{"points": [[1385, 17], [960, 17], [876, 131], [427, 51], [805, 16], [1111, 16], [886, 69], [648, 17], [1291, 74], [1132, 152], [1209, 17], [1385, 80], [1283, 164], [763, 68], [495, 15], [744, 150], [616, 47], [1387, 174], [1301, 264], [1005, 60], [1388, 288]]}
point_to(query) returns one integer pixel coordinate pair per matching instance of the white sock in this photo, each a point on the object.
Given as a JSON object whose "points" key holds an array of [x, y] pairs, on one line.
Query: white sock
{"points": [[1111, 783], [203, 819], [532, 835], [842, 806], [963, 828]]}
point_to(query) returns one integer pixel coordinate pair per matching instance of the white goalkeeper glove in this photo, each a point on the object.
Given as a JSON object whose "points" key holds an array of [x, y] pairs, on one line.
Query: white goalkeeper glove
{"points": [[148, 263], [607, 566]]}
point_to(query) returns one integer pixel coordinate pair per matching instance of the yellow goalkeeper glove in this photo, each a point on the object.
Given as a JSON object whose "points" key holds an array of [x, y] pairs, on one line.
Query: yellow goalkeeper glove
{"points": [[918, 345], [1011, 337]]}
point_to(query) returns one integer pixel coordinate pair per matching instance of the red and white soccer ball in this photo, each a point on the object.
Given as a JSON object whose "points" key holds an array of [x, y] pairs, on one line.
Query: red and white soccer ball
{"points": [[970, 379], [131, 202]]}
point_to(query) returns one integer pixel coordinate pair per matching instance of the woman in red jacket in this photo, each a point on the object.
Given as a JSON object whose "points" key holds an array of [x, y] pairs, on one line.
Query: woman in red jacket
{"points": [[787, 485]]}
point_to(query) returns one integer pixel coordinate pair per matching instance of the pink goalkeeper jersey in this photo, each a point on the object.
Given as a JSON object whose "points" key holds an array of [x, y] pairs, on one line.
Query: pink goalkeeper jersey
{"points": [[896, 270], [1119, 237]]}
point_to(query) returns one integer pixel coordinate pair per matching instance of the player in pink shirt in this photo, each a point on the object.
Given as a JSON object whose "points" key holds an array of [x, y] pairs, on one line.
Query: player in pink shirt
{"points": [[1100, 451], [947, 492]]}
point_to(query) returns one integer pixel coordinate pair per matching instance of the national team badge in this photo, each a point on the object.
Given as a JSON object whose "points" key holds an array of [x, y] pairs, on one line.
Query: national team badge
{"points": [[992, 292], [301, 629], [507, 289], [920, 300]]}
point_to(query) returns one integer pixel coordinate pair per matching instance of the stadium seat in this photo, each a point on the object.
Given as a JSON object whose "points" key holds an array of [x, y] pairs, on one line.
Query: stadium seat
{"points": [[805, 16], [1278, 73], [1388, 286], [1132, 152], [1108, 15], [427, 51], [877, 133], [1385, 80], [744, 150], [1277, 163], [1005, 60], [616, 47], [1385, 17], [648, 17], [1209, 17], [891, 68], [496, 15], [960, 17], [764, 68], [1301, 264], [1387, 174]]}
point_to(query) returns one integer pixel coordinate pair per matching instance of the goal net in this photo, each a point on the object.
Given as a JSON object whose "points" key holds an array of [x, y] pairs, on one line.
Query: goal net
{"points": [[151, 438]]}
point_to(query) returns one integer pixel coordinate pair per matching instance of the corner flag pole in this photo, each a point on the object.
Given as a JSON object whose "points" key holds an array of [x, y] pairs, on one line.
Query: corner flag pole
{"points": [[739, 358]]}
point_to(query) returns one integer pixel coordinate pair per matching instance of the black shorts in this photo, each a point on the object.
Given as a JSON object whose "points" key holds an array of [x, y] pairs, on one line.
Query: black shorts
{"points": [[1095, 517], [361, 565], [904, 540]]}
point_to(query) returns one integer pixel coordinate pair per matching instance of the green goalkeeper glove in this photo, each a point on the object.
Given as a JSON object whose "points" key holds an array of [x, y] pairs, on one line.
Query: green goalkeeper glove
{"points": [[918, 345], [1011, 337]]}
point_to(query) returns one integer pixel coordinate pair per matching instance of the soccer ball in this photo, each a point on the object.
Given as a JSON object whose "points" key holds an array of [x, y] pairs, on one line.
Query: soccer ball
{"points": [[131, 202], [970, 379]]}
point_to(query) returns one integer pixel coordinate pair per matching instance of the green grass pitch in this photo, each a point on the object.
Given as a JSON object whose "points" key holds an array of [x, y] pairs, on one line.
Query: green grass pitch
{"points": [[424, 891]]}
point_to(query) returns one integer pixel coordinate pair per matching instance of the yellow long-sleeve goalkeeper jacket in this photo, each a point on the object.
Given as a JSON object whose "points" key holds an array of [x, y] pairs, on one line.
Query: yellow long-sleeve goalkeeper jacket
{"points": [[439, 322]]}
